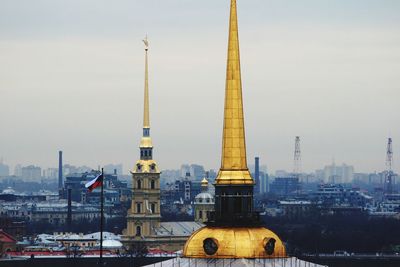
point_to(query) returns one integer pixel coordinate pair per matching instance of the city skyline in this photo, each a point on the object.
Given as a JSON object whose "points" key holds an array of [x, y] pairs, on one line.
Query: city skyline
{"points": [[327, 74]]}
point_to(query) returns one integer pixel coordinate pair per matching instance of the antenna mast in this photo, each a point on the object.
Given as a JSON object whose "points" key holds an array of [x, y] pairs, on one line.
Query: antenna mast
{"points": [[389, 165]]}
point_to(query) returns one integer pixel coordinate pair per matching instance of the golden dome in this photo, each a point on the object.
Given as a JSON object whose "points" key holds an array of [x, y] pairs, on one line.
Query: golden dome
{"points": [[234, 242], [204, 182]]}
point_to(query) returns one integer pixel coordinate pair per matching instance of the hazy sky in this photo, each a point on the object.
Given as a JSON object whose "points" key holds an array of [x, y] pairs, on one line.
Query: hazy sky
{"points": [[71, 78]]}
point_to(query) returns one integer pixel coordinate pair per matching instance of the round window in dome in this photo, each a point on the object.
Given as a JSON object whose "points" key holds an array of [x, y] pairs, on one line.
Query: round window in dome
{"points": [[269, 245], [210, 246]]}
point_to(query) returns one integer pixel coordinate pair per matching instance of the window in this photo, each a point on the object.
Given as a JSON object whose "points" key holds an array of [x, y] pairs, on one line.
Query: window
{"points": [[152, 184], [138, 207], [138, 231], [200, 214], [145, 153], [149, 153], [139, 184], [153, 208], [141, 153]]}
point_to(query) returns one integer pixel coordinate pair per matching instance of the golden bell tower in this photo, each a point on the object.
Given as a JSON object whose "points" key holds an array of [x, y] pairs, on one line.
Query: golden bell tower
{"points": [[235, 230], [144, 215]]}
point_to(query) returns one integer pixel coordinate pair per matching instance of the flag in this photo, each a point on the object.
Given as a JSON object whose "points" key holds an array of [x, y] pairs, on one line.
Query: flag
{"points": [[96, 182]]}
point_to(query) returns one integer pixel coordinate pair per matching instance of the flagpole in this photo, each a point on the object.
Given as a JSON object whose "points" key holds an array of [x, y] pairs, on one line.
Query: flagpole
{"points": [[101, 216]]}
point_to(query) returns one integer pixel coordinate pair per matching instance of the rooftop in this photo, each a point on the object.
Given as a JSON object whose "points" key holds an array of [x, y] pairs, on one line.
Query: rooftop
{"points": [[178, 228]]}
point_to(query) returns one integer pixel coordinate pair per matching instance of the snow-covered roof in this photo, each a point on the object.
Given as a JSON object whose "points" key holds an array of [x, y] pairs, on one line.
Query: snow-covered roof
{"points": [[274, 262], [112, 244]]}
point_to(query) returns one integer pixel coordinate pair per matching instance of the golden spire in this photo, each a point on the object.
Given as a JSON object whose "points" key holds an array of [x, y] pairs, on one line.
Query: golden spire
{"points": [[234, 163], [145, 142], [146, 115]]}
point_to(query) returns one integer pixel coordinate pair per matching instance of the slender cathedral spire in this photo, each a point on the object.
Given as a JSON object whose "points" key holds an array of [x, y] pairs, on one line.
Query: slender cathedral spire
{"points": [[145, 143], [146, 116], [234, 163]]}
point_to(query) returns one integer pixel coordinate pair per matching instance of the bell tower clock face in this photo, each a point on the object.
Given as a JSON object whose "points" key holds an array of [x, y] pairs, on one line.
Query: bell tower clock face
{"points": [[210, 246]]}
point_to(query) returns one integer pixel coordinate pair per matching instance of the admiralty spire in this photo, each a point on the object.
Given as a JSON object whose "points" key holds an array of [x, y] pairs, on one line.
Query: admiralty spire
{"points": [[234, 229], [234, 164]]}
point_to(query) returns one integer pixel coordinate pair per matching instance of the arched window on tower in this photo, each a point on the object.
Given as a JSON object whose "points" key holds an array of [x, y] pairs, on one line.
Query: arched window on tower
{"points": [[153, 184], [138, 231], [200, 214], [153, 208], [139, 184], [138, 207]]}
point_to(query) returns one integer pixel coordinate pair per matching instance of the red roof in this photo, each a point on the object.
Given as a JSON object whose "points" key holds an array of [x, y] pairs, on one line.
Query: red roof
{"points": [[6, 238]]}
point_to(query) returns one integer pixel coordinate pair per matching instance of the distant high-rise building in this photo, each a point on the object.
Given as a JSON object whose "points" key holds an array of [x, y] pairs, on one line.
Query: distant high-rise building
{"points": [[112, 168], [374, 178], [197, 172], [185, 168], [51, 173], [285, 186], [338, 174], [297, 157], [70, 169], [76, 182], [31, 173], [264, 181], [320, 175], [281, 173], [18, 170], [4, 169]]}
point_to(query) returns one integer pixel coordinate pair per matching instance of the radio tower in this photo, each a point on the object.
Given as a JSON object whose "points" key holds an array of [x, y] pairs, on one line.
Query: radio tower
{"points": [[389, 165], [297, 157]]}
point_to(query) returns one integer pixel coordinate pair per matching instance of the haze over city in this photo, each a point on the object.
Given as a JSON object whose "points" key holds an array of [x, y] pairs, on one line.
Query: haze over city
{"points": [[71, 79]]}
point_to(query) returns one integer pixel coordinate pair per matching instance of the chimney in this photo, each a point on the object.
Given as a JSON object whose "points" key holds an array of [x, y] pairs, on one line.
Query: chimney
{"points": [[60, 170]]}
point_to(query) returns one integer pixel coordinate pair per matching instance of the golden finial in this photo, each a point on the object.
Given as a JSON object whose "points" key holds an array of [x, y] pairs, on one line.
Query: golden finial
{"points": [[146, 43], [234, 163]]}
